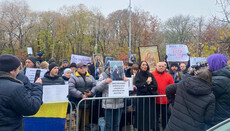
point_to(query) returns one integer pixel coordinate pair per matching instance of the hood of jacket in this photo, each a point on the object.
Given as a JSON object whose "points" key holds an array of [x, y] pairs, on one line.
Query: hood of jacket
{"points": [[47, 75], [197, 86], [222, 72]]}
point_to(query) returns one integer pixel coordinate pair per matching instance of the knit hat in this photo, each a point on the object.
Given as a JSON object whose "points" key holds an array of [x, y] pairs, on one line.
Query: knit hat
{"points": [[33, 59], [216, 62], [67, 69], [52, 60], [9, 62], [174, 64], [52, 65], [65, 61], [39, 53], [73, 65]]}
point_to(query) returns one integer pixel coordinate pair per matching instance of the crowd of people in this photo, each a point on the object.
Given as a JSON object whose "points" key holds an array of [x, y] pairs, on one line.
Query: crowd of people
{"points": [[196, 99]]}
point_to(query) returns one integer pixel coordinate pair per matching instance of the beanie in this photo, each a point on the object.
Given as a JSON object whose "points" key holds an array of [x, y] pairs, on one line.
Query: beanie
{"points": [[52, 60], [73, 65], [33, 59], [9, 62], [216, 62], [65, 61], [52, 65], [174, 64]]}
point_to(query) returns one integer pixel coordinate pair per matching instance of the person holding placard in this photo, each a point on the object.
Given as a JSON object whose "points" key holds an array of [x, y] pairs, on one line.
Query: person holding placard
{"points": [[29, 63], [146, 85], [113, 107]]}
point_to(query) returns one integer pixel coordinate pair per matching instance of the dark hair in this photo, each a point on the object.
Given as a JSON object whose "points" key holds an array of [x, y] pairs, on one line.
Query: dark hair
{"points": [[146, 63]]}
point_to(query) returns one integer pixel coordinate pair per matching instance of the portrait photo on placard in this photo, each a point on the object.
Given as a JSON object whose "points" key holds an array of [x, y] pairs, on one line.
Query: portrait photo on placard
{"points": [[117, 70]]}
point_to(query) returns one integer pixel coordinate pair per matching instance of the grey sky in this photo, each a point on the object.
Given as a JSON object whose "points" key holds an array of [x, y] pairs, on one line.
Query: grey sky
{"points": [[164, 9]]}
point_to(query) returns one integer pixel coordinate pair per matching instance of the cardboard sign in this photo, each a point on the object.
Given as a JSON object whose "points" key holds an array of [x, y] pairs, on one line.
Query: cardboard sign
{"points": [[80, 59], [177, 53]]}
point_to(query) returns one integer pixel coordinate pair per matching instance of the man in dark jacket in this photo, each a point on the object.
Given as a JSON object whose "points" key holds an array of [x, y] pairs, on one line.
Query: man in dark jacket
{"points": [[16, 100], [193, 103], [29, 63], [51, 77], [65, 64], [217, 64]]}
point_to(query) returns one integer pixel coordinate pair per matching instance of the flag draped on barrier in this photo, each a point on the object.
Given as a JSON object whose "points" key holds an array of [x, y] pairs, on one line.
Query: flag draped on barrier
{"points": [[49, 117]]}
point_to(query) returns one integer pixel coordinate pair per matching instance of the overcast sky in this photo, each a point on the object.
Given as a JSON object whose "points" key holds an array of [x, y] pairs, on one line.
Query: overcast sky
{"points": [[164, 9]]}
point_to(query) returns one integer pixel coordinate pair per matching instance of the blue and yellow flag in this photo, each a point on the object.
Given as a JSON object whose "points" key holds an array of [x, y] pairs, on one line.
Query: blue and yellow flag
{"points": [[50, 117]]}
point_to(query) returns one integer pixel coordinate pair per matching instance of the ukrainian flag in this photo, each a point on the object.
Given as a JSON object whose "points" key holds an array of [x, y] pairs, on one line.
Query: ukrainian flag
{"points": [[50, 117]]}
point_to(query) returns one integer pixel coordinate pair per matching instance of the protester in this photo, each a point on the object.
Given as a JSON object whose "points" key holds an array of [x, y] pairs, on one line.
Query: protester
{"points": [[65, 64], [44, 65], [73, 67], [40, 57], [29, 63], [217, 64], [193, 103], [52, 60], [174, 72], [80, 87], [113, 107], [184, 70], [51, 77], [163, 80], [16, 99], [66, 75], [146, 85], [128, 70]]}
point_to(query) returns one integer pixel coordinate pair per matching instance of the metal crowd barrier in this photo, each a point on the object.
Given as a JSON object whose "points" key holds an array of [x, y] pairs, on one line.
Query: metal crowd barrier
{"points": [[127, 121]]}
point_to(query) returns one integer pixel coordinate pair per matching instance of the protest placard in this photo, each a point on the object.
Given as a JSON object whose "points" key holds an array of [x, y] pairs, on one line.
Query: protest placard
{"points": [[29, 50], [55, 93], [177, 53], [197, 60], [118, 89], [80, 59], [31, 73]]}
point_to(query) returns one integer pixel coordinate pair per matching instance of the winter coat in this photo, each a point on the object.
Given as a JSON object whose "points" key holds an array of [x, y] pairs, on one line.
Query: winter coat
{"points": [[16, 102], [78, 84], [221, 90], [24, 79], [48, 80], [193, 105], [145, 107], [103, 87], [163, 80]]}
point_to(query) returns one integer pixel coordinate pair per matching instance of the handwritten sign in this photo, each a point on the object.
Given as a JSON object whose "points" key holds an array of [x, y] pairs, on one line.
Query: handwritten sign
{"points": [[31, 72], [55, 93], [118, 89], [197, 60], [177, 53], [80, 59]]}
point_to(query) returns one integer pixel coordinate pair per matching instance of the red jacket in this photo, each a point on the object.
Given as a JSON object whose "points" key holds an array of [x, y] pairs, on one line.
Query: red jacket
{"points": [[163, 80]]}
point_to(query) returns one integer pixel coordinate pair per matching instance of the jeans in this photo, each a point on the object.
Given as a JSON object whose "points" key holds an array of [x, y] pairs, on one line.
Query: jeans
{"points": [[112, 119]]}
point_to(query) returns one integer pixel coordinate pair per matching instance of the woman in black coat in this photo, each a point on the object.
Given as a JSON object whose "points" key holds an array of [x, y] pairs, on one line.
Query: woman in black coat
{"points": [[193, 103], [145, 118]]}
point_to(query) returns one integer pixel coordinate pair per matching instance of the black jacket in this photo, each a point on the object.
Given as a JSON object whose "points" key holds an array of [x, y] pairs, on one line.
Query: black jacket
{"points": [[16, 102], [193, 105], [221, 90], [48, 80]]}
